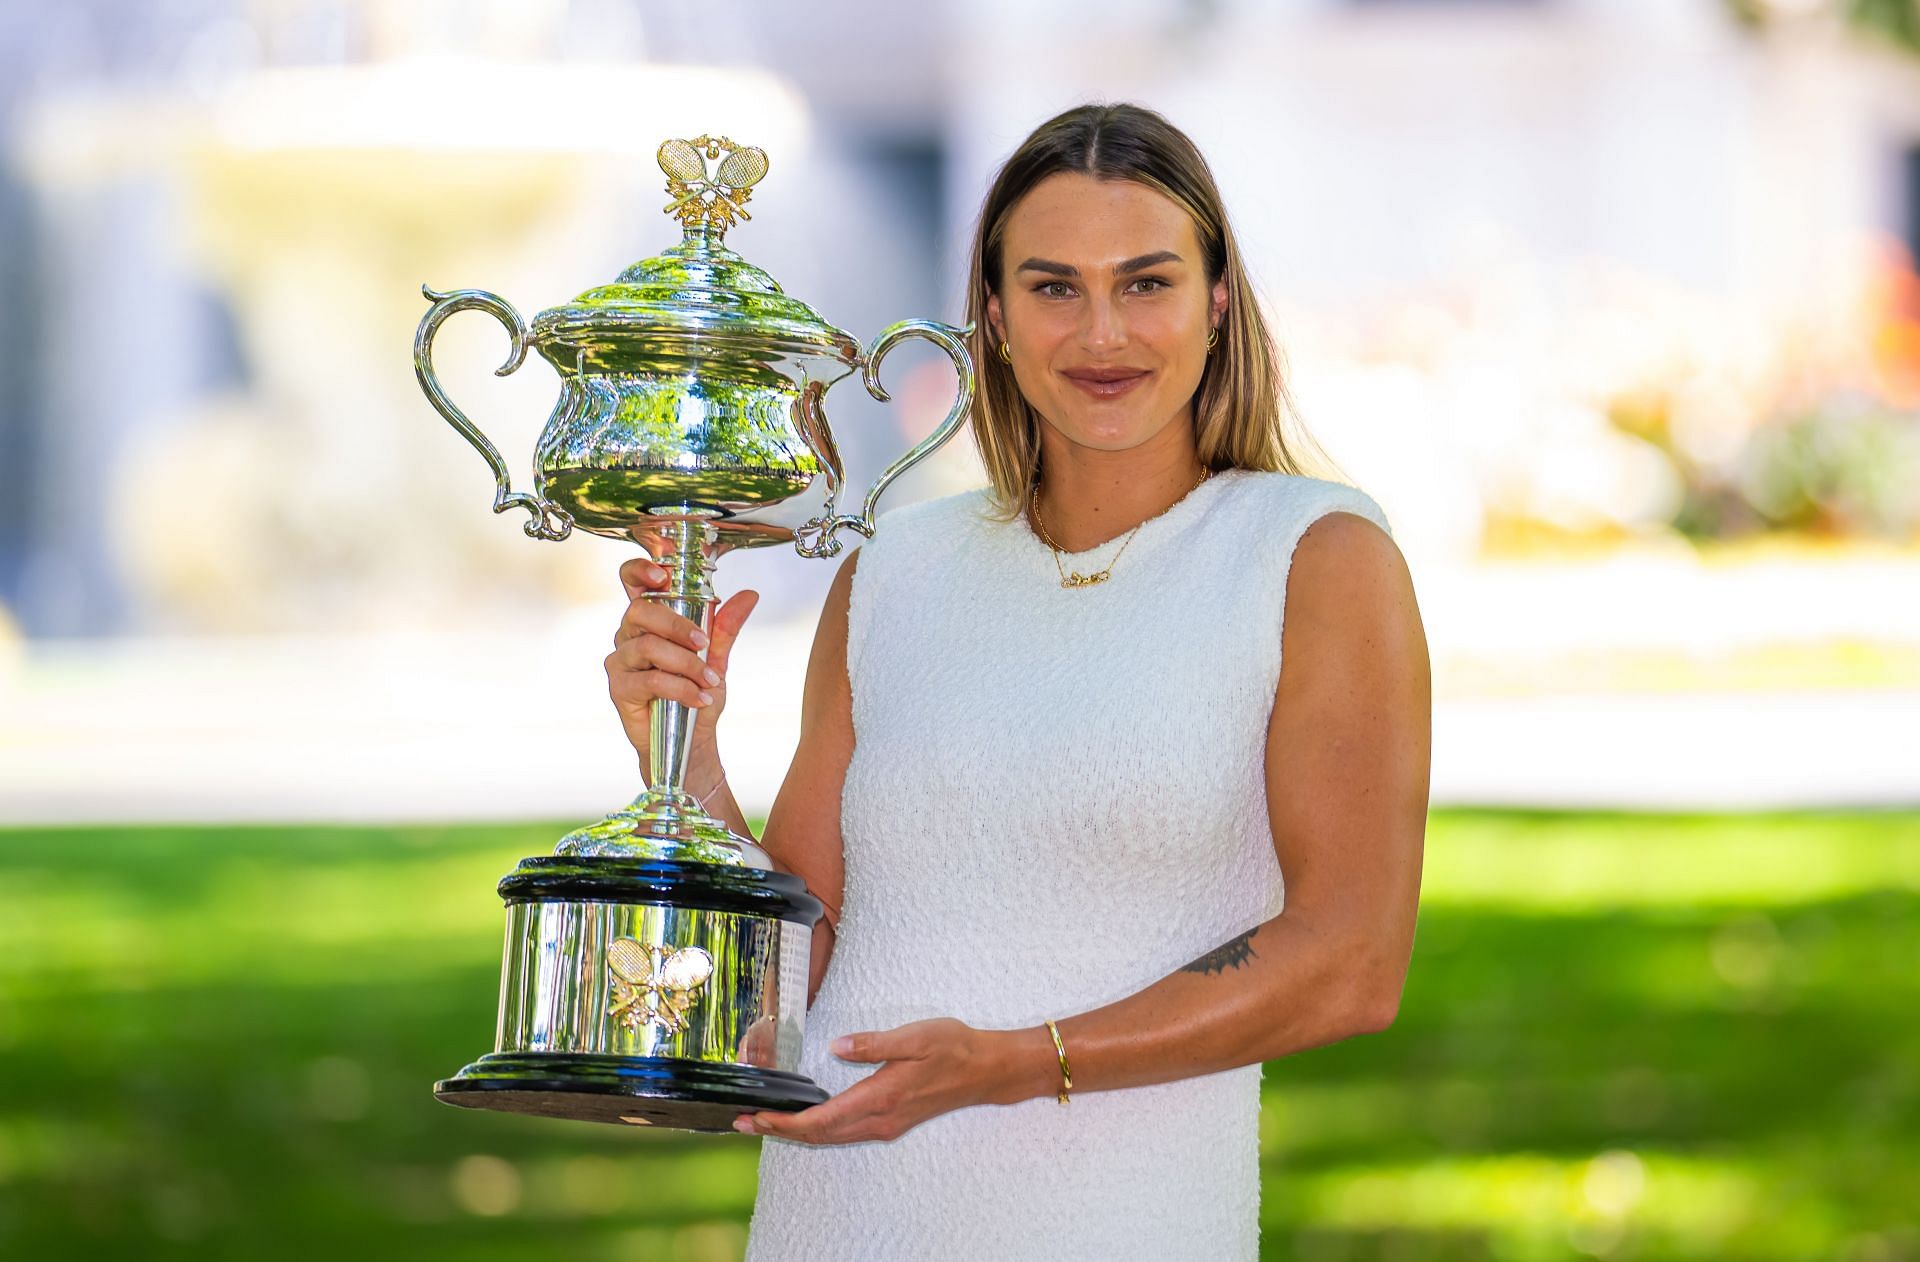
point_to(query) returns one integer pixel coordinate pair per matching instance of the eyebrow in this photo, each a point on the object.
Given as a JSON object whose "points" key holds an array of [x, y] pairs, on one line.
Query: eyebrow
{"points": [[1139, 264]]}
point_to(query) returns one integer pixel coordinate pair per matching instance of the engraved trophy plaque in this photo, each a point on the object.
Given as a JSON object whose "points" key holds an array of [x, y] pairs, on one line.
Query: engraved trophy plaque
{"points": [[656, 965]]}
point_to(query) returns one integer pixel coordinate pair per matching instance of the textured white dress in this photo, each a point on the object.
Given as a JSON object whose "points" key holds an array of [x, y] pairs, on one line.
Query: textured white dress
{"points": [[1056, 798]]}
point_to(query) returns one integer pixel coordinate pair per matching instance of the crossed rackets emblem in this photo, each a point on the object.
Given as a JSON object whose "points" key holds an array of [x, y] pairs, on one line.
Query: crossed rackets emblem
{"points": [[703, 194], [656, 984]]}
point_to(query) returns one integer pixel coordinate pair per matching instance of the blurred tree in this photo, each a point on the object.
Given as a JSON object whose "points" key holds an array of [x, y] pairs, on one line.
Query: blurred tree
{"points": [[1897, 22], [1894, 20]]}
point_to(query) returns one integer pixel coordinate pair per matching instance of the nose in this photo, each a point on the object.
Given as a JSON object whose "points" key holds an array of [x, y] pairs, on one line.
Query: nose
{"points": [[1104, 327]]}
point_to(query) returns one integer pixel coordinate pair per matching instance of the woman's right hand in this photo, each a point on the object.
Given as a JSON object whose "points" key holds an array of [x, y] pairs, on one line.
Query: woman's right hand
{"points": [[656, 654]]}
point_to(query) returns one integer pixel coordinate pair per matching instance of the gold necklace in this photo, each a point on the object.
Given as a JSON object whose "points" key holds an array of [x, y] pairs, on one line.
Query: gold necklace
{"points": [[1077, 579]]}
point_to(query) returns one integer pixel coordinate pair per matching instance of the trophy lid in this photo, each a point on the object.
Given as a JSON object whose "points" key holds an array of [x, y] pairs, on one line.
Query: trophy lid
{"points": [[698, 292]]}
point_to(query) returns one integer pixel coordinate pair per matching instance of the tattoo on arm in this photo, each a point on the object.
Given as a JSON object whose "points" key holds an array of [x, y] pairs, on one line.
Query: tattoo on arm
{"points": [[1229, 954]]}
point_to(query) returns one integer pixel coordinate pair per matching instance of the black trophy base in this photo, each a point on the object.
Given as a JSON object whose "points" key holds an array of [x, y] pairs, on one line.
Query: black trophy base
{"points": [[664, 1092]]}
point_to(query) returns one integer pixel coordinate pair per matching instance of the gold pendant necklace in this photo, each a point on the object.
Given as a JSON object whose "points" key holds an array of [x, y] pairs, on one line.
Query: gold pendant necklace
{"points": [[1077, 579]]}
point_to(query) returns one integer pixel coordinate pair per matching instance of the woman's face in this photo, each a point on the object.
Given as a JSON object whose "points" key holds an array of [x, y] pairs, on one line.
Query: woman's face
{"points": [[1104, 304]]}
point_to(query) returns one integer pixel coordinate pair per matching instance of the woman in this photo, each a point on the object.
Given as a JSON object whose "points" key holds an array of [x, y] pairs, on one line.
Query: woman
{"points": [[1051, 775]]}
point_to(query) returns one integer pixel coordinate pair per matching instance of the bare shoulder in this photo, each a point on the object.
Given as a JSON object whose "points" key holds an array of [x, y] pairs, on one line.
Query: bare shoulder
{"points": [[1351, 608], [1343, 551]]}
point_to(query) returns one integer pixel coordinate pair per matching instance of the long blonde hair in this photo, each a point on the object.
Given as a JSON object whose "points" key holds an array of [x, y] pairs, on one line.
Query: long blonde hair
{"points": [[1242, 405]]}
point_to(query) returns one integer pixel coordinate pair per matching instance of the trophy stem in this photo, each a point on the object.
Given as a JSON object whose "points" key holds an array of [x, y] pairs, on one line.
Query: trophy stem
{"points": [[666, 821], [689, 593]]}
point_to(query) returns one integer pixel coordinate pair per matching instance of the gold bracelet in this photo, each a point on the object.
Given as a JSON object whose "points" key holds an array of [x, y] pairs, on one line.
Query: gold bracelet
{"points": [[1066, 1074]]}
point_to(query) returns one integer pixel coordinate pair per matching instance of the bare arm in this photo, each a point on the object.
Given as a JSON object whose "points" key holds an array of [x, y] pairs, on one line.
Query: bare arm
{"points": [[803, 828], [1347, 760]]}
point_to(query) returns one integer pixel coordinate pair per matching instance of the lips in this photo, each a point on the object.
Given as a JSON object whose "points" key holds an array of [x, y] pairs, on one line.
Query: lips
{"points": [[1106, 383]]}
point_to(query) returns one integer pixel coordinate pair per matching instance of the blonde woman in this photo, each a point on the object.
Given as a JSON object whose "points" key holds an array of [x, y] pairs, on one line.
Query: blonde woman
{"points": [[1090, 857]]}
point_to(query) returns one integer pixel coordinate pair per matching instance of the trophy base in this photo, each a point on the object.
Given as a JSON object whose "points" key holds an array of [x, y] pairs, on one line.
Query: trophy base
{"points": [[650, 993], [624, 1090]]}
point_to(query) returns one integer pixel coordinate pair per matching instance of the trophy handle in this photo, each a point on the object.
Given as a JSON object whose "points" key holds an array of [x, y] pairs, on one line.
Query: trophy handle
{"points": [[817, 537], [549, 520]]}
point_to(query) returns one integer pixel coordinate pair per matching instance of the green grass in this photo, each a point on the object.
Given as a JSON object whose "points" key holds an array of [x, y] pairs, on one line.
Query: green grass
{"points": [[1625, 1036]]}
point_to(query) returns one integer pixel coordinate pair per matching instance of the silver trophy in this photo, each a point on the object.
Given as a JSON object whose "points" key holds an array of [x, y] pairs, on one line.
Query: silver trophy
{"points": [[656, 966]]}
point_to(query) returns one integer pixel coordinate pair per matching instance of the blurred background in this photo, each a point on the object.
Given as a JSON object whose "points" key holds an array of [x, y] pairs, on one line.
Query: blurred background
{"points": [[1612, 306]]}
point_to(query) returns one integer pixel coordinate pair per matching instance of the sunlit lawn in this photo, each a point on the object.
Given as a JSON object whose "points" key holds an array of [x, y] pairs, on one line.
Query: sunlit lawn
{"points": [[1625, 1036]]}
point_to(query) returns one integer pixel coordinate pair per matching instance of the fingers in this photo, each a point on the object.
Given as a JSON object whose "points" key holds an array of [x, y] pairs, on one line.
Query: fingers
{"points": [[649, 651], [727, 621], [646, 616], [869, 1109], [640, 575], [636, 690], [634, 678], [653, 643]]}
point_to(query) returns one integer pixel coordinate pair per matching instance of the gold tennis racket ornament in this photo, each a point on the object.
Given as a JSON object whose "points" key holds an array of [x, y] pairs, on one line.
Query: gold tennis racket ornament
{"points": [[656, 984], [704, 196]]}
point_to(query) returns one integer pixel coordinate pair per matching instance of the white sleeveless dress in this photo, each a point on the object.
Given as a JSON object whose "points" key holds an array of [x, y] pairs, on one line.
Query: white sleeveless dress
{"points": [[1056, 798]]}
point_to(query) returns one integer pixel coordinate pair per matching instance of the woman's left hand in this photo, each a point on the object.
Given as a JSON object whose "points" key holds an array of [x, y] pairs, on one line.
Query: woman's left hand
{"points": [[931, 1067]]}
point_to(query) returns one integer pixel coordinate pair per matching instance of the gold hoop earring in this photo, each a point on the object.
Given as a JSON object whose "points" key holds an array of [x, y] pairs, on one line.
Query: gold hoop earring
{"points": [[1213, 336], [1005, 353]]}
